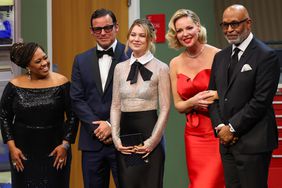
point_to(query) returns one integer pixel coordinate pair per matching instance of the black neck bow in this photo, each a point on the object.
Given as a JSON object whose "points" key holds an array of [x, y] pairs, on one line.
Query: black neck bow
{"points": [[146, 74], [109, 52]]}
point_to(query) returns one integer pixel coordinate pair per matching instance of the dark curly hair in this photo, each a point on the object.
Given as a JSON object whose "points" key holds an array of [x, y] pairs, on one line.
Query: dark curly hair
{"points": [[22, 53]]}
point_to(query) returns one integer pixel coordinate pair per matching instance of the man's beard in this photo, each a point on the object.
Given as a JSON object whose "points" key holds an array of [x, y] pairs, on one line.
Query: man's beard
{"points": [[241, 37]]}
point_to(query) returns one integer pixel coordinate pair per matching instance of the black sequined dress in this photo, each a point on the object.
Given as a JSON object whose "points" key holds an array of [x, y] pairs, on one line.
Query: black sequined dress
{"points": [[35, 120]]}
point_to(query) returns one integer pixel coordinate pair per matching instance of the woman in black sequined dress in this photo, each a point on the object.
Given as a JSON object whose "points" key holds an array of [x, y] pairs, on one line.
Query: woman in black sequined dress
{"points": [[37, 122]]}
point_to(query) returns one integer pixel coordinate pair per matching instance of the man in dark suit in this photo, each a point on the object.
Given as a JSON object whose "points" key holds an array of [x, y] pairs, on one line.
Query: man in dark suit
{"points": [[246, 80], [91, 93]]}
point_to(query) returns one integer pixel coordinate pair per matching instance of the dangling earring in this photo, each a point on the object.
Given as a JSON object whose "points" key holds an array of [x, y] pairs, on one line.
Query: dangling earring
{"points": [[28, 73]]}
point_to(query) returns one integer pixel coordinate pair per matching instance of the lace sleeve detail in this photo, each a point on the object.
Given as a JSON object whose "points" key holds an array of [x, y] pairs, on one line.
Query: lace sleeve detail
{"points": [[164, 107], [7, 113], [116, 107]]}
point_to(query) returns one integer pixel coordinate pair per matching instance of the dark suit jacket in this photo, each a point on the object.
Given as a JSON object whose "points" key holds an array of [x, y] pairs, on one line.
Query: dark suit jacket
{"points": [[246, 103], [90, 103]]}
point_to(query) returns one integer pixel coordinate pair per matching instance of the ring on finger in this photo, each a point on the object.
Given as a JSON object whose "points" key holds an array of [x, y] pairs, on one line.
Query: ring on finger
{"points": [[61, 160], [14, 163]]}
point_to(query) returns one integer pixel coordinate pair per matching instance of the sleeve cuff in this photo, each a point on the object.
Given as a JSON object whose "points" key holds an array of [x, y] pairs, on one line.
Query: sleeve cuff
{"points": [[219, 126], [109, 124], [231, 128]]}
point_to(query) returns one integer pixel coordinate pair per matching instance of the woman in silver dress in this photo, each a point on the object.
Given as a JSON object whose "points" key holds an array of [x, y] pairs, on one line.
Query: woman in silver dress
{"points": [[141, 86]]}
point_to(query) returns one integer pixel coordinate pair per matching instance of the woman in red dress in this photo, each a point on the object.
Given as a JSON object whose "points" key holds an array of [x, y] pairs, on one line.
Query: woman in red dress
{"points": [[190, 74]]}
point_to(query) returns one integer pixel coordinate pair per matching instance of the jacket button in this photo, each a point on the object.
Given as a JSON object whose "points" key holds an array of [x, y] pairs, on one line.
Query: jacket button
{"points": [[225, 99]]}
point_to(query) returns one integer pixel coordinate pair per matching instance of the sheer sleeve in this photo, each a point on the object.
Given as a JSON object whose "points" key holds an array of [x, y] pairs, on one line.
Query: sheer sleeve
{"points": [[71, 123], [7, 113], [164, 107], [116, 107]]}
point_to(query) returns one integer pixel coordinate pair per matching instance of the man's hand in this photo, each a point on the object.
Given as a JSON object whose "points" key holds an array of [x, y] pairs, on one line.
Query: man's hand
{"points": [[234, 140], [108, 140], [103, 131], [225, 135]]}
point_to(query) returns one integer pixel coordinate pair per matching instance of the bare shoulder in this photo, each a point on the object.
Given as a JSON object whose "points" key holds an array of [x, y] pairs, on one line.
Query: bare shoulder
{"points": [[212, 49], [176, 60], [59, 79], [19, 80]]}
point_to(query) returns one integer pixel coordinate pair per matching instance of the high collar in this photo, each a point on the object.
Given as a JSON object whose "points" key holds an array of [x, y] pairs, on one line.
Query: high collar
{"points": [[148, 56]]}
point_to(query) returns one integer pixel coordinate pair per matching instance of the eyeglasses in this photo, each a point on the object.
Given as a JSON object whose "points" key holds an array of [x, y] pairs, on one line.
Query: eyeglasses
{"points": [[233, 24], [107, 29]]}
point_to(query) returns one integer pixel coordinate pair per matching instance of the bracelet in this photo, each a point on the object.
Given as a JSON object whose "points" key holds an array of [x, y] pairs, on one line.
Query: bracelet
{"points": [[66, 145]]}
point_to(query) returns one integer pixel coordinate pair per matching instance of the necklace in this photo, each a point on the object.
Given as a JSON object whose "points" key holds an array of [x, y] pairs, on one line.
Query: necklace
{"points": [[197, 54]]}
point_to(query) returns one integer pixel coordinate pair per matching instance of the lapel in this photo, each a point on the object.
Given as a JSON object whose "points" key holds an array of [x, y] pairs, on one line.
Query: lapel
{"points": [[96, 70], [118, 53], [224, 70], [245, 56], [227, 59]]}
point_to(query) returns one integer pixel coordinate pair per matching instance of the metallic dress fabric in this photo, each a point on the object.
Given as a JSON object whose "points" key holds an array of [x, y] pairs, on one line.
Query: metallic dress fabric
{"points": [[38, 120]]}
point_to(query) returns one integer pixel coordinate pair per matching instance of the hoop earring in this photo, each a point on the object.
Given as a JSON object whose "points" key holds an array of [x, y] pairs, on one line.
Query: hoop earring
{"points": [[28, 73]]}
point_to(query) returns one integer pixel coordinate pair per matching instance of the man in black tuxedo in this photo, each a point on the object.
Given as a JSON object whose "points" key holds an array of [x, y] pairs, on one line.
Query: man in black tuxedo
{"points": [[245, 76], [91, 93]]}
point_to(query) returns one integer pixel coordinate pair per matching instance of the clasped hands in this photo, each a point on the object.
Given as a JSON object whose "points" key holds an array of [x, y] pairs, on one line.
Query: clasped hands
{"points": [[139, 149], [226, 137], [103, 132], [203, 99]]}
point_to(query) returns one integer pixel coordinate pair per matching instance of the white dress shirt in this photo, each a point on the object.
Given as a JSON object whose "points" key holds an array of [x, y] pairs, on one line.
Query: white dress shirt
{"points": [[105, 63]]}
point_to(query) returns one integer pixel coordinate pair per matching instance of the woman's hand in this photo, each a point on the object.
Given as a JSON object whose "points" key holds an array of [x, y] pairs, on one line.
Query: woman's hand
{"points": [[17, 157], [125, 150], [202, 99], [143, 149], [60, 154], [214, 95]]}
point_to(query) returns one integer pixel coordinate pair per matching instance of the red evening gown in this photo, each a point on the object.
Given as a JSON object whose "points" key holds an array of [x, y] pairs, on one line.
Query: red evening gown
{"points": [[202, 148]]}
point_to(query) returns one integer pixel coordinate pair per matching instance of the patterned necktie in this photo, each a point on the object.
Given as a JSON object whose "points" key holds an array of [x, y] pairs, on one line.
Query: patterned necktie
{"points": [[133, 74], [109, 52], [233, 63]]}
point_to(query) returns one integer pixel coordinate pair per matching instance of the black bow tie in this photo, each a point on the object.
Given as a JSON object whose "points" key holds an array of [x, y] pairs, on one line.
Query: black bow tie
{"points": [[109, 52], [133, 74]]}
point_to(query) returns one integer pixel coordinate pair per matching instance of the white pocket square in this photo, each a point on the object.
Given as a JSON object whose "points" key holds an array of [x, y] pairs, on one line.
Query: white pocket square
{"points": [[246, 67]]}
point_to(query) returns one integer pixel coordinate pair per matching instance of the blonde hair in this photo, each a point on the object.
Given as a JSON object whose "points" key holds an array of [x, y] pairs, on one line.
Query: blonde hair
{"points": [[171, 33], [149, 30]]}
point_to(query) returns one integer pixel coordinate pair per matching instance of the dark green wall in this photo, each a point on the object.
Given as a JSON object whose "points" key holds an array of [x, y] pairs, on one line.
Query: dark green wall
{"points": [[34, 21], [175, 166]]}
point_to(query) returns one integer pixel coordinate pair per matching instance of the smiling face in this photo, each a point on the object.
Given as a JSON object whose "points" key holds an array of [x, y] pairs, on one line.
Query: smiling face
{"points": [[138, 41], [106, 37], [187, 32], [39, 65], [236, 24]]}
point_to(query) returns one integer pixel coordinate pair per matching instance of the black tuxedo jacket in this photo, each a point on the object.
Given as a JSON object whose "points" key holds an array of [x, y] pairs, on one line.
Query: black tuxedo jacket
{"points": [[246, 102], [90, 103]]}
